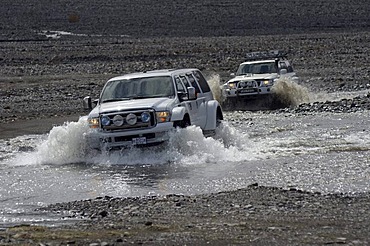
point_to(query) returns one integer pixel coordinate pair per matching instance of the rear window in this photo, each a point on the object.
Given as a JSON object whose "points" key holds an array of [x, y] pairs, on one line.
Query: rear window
{"points": [[202, 81]]}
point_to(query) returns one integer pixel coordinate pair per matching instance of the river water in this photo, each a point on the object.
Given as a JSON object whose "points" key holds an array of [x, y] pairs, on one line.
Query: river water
{"points": [[321, 152]]}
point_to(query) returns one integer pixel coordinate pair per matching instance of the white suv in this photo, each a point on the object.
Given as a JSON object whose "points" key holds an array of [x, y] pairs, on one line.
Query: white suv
{"points": [[139, 109], [256, 76]]}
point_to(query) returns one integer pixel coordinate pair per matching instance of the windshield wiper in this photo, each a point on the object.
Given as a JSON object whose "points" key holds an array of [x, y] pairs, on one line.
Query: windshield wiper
{"points": [[138, 96], [147, 96], [116, 99]]}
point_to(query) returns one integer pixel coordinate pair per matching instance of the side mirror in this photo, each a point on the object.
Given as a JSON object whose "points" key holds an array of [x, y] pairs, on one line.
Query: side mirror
{"points": [[182, 96], [283, 71], [232, 75], [191, 93], [87, 104]]}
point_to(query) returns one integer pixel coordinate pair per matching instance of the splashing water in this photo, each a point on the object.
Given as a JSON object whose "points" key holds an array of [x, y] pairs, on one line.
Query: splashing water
{"points": [[186, 147], [292, 94], [64, 144], [214, 83], [289, 92], [67, 144]]}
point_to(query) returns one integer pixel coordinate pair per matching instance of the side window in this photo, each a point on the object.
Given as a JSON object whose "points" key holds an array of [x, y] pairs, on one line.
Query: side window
{"points": [[193, 82], [179, 85], [184, 81], [202, 82], [282, 65], [289, 67]]}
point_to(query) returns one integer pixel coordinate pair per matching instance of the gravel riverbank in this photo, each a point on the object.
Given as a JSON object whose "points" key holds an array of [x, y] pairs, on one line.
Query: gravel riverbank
{"points": [[251, 216], [55, 53]]}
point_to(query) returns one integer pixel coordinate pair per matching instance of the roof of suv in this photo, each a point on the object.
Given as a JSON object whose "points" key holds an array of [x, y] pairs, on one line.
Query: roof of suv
{"points": [[153, 73], [259, 61]]}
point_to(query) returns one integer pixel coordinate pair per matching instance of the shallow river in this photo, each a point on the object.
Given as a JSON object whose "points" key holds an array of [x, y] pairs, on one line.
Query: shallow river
{"points": [[324, 152]]}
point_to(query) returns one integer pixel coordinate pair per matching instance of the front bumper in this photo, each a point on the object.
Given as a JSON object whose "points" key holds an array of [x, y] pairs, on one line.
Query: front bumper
{"points": [[243, 92], [121, 139]]}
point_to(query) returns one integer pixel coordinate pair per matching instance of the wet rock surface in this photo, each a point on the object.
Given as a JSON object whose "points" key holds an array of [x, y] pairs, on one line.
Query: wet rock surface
{"points": [[53, 53], [360, 103]]}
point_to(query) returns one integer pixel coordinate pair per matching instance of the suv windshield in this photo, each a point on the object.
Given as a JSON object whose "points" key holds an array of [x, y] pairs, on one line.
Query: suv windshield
{"points": [[138, 88], [257, 68]]}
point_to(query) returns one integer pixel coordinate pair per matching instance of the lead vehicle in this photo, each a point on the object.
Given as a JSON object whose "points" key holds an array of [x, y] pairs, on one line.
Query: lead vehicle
{"points": [[141, 108]]}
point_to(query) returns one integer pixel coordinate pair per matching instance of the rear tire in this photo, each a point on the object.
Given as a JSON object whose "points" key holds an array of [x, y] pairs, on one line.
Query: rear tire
{"points": [[219, 117]]}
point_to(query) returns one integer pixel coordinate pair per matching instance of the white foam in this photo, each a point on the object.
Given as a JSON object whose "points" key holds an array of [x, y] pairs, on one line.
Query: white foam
{"points": [[63, 144], [66, 144], [187, 147]]}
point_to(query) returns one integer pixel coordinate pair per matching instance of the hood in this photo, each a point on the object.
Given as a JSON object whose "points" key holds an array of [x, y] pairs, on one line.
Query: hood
{"points": [[255, 77], [142, 103]]}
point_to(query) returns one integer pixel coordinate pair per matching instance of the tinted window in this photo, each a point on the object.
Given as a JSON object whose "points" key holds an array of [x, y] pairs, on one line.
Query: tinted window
{"points": [[283, 65], [179, 84], [290, 68], [138, 88], [257, 68], [184, 81], [193, 82], [202, 81]]}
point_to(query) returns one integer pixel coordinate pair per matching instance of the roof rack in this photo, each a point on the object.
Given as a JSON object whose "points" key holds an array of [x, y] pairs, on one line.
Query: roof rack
{"points": [[271, 54]]}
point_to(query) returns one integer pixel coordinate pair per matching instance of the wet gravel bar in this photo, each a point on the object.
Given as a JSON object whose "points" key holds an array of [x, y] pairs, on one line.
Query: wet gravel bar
{"points": [[254, 215]]}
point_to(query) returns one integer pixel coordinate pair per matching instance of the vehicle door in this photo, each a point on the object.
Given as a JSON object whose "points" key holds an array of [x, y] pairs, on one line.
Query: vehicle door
{"points": [[181, 85], [200, 102], [191, 105], [286, 65]]}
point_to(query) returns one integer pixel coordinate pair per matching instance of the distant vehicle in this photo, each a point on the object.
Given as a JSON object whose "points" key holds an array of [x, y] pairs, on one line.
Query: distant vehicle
{"points": [[256, 76], [140, 109]]}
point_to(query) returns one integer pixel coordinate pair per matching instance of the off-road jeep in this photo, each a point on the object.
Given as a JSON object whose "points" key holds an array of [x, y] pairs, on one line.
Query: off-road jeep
{"points": [[140, 109], [256, 76]]}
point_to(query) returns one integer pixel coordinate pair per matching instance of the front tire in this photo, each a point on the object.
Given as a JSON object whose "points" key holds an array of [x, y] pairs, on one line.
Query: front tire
{"points": [[182, 123]]}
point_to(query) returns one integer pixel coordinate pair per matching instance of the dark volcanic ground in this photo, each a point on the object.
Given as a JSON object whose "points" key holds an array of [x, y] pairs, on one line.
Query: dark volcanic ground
{"points": [[22, 20], [43, 79], [45, 75]]}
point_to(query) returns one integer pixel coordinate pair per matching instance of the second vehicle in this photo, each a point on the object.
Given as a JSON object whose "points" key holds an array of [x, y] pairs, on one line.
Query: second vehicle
{"points": [[256, 76]]}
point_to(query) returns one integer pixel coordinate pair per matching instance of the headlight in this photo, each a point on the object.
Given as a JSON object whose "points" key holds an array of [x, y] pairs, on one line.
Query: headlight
{"points": [[93, 122], [105, 120], [117, 120], [163, 116], [231, 85], [268, 82], [145, 117]]}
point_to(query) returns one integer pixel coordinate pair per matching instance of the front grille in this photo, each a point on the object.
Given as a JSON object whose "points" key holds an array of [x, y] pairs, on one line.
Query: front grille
{"points": [[260, 82], [129, 138], [247, 84], [138, 125]]}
